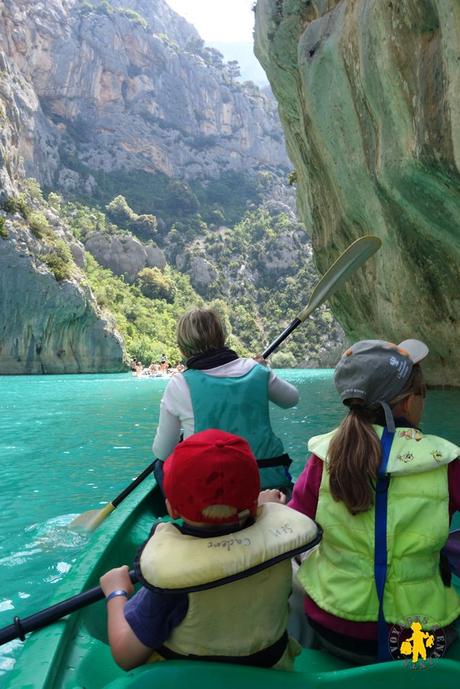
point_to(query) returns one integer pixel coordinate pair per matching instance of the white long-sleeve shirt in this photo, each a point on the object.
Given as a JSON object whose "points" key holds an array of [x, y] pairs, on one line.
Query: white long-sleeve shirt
{"points": [[176, 411]]}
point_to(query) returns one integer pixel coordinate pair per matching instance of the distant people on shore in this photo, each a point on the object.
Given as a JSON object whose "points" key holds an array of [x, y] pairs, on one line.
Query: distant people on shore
{"points": [[157, 369]]}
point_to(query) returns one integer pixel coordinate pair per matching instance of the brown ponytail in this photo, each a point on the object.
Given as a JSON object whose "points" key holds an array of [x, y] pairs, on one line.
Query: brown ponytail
{"points": [[354, 457], [355, 450]]}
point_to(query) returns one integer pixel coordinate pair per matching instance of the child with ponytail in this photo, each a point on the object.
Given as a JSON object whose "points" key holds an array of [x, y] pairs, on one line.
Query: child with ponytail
{"points": [[384, 494]]}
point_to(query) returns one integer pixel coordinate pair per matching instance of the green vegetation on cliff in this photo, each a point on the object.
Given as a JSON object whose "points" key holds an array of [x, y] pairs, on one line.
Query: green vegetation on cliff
{"points": [[54, 251], [257, 273], [265, 278], [147, 325], [104, 7], [260, 274], [161, 202], [3, 229]]}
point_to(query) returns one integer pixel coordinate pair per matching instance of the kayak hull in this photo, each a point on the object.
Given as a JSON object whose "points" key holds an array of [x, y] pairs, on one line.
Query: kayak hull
{"points": [[73, 653]]}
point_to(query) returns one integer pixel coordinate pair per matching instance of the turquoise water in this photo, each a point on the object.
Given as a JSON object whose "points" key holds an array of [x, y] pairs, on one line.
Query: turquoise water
{"points": [[72, 443]]}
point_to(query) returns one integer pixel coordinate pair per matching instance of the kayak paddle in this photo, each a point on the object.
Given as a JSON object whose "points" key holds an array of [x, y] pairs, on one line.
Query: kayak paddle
{"points": [[91, 519], [41, 619], [352, 258]]}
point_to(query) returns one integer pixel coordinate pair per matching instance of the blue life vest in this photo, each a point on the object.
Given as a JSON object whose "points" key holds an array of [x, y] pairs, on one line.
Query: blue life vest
{"points": [[241, 406]]}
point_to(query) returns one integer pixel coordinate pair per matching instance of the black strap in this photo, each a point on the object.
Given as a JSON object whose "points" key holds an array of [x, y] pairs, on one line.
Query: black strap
{"points": [[20, 631], [281, 461], [267, 657]]}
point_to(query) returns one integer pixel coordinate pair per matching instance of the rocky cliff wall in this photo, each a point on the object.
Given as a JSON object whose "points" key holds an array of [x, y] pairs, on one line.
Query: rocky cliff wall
{"points": [[48, 326], [130, 85], [124, 254], [369, 96], [101, 98]]}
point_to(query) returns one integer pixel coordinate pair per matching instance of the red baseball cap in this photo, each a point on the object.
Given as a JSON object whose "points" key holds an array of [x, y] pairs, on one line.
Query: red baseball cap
{"points": [[212, 468]]}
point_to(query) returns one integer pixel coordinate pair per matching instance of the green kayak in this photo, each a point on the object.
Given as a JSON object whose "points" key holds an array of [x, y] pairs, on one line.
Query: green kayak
{"points": [[73, 652]]}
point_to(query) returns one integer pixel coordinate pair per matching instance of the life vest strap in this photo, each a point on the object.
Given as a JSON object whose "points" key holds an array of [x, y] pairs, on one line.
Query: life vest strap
{"points": [[281, 461], [380, 540], [266, 658]]}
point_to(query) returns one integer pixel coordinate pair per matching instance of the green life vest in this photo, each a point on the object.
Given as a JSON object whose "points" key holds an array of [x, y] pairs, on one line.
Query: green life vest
{"points": [[339, 574], [240, 406], [238, 584]]}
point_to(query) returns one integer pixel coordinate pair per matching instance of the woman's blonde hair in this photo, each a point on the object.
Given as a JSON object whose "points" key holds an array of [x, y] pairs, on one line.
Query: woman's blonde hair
{"points": [[199, 330], [354, 452]]}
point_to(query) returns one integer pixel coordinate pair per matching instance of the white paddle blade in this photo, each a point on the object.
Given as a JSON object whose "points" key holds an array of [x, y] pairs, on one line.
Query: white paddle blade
{"points": [[351, 259]]}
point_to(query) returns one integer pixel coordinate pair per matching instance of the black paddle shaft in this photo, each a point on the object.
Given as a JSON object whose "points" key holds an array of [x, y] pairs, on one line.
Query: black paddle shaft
{"points": [[124, 493], [20, 628], [276, 343]]}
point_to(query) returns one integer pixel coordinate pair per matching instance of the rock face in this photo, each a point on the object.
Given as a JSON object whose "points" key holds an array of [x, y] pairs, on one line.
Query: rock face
{"points": [[105, 98], [202, 273], [124, 255], [18, 104], [129, 85], [48, 326], [369, 96], [45, 326]]}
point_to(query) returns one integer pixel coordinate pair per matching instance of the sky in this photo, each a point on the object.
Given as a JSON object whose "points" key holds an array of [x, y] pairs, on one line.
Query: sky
{"points": [[226, 25], [218, 21]]}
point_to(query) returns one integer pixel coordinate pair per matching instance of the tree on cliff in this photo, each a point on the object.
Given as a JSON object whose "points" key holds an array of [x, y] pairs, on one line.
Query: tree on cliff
{"points": [[233, 70], [155, 285], [143, 226]]}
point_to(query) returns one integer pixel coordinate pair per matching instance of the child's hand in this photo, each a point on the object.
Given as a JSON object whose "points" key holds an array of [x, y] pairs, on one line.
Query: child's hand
{"points": [[260, 360], [117, 578], [271, 495]]}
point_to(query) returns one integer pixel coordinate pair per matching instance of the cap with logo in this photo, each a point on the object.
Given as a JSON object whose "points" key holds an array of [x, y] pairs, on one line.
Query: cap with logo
{"points": [[376, 372], [212, 468]]}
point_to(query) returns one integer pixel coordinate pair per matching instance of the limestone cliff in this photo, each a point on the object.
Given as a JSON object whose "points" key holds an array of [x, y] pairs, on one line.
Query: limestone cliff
{"points": [[48, 325], [129, 85], [369, 96], [153, 144], [124, 254]]}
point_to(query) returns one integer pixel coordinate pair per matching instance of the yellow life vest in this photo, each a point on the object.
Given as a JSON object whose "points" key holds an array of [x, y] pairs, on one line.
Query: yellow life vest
{"points": [[339, 574], [238, 584]]}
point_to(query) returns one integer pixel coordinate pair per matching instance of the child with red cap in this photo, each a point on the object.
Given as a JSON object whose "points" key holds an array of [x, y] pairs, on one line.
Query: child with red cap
{"points": [[215, 587]]}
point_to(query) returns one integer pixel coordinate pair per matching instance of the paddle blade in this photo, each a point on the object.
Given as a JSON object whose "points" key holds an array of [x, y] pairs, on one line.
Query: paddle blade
{"points": [[351, 259], [90, 520]]}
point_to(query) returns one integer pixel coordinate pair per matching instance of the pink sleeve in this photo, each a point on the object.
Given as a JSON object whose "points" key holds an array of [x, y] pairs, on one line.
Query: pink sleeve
{"points": [[306, 490], [453, 474]]}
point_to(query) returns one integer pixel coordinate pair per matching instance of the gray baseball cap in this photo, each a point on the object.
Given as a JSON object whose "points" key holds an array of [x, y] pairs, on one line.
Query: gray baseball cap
{"points": [[376, 372]]}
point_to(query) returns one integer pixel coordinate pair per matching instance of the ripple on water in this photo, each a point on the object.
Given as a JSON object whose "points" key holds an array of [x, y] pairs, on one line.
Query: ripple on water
{"points": [[52, 535], [55, 533], [6, 604], [62, 568], [7, 661]]}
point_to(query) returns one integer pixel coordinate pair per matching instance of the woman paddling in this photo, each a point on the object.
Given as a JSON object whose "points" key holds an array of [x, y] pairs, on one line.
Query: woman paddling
{"points": [[384, 494], [221, 390]]}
